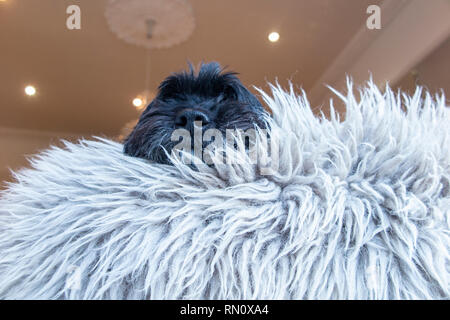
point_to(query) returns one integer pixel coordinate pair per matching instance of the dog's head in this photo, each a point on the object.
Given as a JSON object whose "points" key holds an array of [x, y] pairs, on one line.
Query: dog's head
{"points": [[215, 98]]}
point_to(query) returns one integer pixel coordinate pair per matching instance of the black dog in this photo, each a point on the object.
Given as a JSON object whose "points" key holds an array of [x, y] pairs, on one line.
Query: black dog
{"points": [[216, 98]]}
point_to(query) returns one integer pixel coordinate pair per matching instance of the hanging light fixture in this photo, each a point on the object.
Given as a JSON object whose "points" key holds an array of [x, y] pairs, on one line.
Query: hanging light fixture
{"points": [[153, 24], [150, 24]]}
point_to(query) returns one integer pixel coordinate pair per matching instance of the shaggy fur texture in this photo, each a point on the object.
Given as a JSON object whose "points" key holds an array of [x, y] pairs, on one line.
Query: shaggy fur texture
{"points": [[357, 209]]}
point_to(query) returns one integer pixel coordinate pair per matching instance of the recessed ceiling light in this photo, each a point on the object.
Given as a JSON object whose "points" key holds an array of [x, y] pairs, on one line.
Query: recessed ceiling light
{"points": [[274, 36], [30, 90], [137, 102]]}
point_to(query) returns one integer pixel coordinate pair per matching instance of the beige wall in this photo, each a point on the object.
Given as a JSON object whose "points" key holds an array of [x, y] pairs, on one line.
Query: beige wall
{"points": [[412, 32], [16, 145], [433, 72]]}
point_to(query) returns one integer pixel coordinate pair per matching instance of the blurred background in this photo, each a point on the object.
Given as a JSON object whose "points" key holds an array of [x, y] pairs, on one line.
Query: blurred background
{"points": [[61, 83]]}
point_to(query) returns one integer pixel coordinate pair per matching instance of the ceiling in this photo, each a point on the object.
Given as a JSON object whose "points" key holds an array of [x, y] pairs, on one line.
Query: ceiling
{"points": [[86, 79]]}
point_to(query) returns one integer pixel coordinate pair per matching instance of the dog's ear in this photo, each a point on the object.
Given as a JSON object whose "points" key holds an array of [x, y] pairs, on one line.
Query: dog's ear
{"points": [[134, 142], [150, 106], [213, 81], [130, 144], [233, 89], [177, 85], [218, 82]]}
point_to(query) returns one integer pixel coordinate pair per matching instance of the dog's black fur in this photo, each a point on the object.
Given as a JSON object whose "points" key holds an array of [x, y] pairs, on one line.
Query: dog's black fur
{"points": [[215, 97]]}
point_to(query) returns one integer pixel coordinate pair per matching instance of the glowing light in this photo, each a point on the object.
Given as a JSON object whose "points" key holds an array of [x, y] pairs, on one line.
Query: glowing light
{"points": [[137, 102], [141, 100], [274, 36], [30, 91]]}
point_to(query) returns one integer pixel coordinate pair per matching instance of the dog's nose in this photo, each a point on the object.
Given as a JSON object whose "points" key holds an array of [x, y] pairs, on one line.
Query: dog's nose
{"points": [[186, 118]]}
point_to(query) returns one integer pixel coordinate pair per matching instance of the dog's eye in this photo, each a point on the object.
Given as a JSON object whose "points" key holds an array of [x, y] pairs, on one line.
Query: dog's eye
{"points": [[229, 93]]}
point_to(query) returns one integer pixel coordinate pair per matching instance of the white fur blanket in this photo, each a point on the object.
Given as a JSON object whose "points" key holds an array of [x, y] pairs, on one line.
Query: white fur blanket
{"points": [[356, 209]]}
